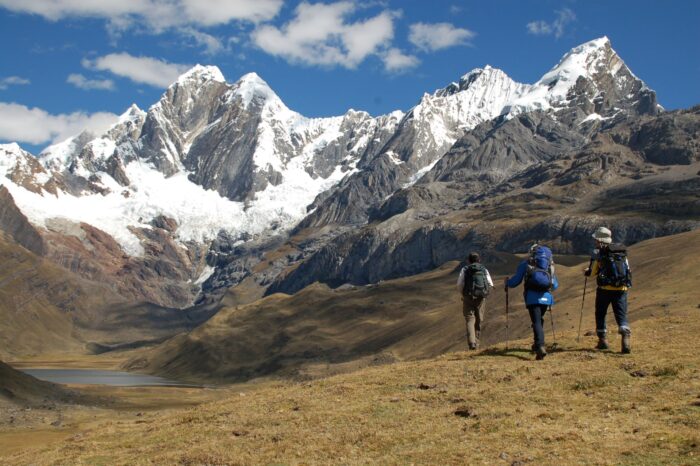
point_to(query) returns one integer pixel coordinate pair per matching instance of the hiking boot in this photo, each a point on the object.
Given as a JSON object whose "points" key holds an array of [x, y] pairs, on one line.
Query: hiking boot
{"points": [[626, 349], [533, 348], [541, 353], [602, 343], [473, 346]]}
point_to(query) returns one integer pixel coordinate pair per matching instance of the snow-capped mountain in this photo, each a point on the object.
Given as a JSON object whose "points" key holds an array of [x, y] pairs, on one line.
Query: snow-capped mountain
{"points": [[210, 156], [591, 81], [591, 84], [212, 159]]}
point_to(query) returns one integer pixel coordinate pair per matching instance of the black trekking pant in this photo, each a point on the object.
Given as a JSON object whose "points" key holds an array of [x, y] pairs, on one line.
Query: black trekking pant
{"points": [[618, 300], [537, 312]]}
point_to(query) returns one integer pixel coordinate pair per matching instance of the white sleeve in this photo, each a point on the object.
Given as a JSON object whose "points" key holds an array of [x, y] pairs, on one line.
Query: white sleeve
{"points": [[488, 278], [460, 280]]}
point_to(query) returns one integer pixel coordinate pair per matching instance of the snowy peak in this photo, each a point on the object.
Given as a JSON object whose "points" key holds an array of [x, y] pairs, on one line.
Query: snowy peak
{"points": [[19, 167], [591, 79], [587, 60], [200, 74], [11, 149], [251, 88], [60, 155], [444, 116], [477, 80], [133, 113]]}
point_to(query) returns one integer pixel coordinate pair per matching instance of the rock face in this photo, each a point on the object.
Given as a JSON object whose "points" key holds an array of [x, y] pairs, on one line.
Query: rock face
{"points": [[216, 160], [16, 225], [498, 149], [508, 184], [590, 87]]}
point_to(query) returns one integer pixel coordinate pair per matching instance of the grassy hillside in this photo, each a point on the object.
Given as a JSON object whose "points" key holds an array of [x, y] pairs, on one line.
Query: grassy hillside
{"points": [[320, 331], [19, 388], [46, 309], [39, 303], [578, 406]]}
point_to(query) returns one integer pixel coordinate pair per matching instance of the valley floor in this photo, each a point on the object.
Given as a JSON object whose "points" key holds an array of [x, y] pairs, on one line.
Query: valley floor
{"points": [[495, 406]]}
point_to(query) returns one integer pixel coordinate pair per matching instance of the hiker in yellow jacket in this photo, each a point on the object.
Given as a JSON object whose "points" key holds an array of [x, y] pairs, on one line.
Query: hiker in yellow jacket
{"points": [[614, 278]]}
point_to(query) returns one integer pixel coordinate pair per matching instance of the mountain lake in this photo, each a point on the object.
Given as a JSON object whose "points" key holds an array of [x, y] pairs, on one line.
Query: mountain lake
{"points": [[101, 377]]}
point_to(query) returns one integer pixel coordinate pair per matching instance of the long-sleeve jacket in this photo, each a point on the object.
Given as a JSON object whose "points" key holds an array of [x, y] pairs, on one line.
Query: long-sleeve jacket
{"points": [[531, 296]]}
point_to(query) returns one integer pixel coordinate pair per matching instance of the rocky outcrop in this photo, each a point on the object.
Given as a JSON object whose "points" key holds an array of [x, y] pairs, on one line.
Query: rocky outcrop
{"points": [[572, 234], [670, 139], [513, 183], [374, 254], [15, 224], [497, 150], [185, 109], [166, 273], [352, 200]]}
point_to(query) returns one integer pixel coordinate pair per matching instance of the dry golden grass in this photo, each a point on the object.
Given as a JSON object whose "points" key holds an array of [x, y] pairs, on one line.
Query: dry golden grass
{"points": [[37, 423], [578, 406], [320, 331]]}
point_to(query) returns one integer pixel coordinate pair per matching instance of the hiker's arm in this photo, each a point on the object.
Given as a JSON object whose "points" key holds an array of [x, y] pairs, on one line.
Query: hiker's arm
{"points": [[515, 280], [555, 283], [460, 281], [588, 271], [488, 278]]}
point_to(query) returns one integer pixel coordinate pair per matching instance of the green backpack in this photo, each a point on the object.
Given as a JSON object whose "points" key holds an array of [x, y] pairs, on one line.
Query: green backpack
{"points": [[475, 283]]}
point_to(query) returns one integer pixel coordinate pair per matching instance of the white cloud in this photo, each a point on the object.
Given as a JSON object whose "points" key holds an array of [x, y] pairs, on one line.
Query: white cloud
{"points": [[80, 81], [436, 36], [36, 126], [12, 81], [320, 34], [556, 27], [539, 28], [157, 14], [396, 61], [213, 12], [146, 70], [211, 44]]}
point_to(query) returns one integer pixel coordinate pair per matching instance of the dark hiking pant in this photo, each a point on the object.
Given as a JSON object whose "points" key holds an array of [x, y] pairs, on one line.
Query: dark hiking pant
{"points": [[618, 299], [473, 310], [537, 312]]}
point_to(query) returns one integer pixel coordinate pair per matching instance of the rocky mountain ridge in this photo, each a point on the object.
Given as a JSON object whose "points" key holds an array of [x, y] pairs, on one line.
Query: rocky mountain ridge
{"points": [[194, 192]]}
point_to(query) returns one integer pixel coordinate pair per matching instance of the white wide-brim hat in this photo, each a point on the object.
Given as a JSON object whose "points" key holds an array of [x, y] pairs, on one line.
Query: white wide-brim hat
{"points": [[603, 235]]}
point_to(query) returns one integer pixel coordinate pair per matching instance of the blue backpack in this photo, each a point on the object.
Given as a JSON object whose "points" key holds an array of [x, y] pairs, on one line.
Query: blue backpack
{"points": [[539, 275]]}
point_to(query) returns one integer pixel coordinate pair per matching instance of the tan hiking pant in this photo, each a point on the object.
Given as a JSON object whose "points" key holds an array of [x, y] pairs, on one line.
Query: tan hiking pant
{"points": [[473, 310]]}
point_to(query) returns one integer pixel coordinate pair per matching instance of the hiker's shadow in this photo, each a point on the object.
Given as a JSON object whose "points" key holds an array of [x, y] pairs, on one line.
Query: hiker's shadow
{"points": [[509, 353], [560, 349]]}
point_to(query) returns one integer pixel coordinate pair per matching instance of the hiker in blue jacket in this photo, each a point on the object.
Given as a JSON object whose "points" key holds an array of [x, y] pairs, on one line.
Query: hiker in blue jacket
{"points": [[538, 274]]}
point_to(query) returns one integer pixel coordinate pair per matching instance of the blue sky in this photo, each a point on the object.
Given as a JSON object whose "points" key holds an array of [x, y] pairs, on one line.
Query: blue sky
{"points": [[69, 64]]}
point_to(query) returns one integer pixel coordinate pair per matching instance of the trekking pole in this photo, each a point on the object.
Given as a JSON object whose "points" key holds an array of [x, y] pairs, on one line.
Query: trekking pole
{"points": [[583, 300], [554, 337], [506, 317]]}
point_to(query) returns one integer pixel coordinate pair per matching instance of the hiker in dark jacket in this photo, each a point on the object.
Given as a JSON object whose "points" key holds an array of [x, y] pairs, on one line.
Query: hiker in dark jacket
{"points": [[537, 301], [613, 276], [474, 284]]}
